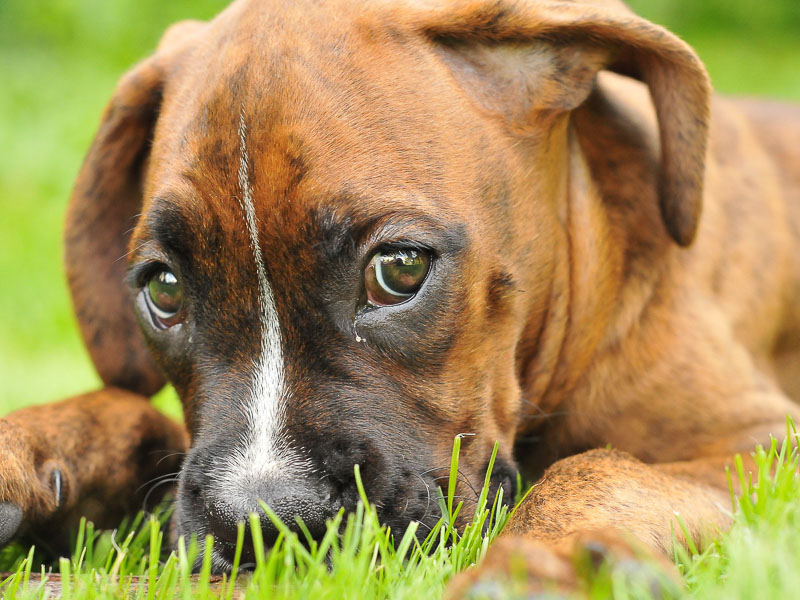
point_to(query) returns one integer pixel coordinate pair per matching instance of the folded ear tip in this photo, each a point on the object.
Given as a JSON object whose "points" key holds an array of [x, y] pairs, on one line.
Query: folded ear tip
{"points": [[680, 210], [684, 237]]}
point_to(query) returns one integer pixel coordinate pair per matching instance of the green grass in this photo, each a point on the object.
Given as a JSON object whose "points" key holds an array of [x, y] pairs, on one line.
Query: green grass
{"points": [[358, 558], [59, 61]]}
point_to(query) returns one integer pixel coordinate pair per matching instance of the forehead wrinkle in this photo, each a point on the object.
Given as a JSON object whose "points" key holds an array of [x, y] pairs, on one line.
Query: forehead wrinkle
{"points": [[192, 229], [340, 232], [169, 224]]}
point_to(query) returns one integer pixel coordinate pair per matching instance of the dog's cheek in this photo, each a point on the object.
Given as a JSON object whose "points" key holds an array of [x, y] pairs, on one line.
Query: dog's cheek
{"points": [[170, 349], [176, 353], [194, 476]]}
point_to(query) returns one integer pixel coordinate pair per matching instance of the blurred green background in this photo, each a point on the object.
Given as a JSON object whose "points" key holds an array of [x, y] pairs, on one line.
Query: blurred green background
{"points": [[59, 60]]}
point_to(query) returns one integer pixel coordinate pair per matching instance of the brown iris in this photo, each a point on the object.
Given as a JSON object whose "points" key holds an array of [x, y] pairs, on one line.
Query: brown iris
{"points": [[164, 298], [394, 276]]}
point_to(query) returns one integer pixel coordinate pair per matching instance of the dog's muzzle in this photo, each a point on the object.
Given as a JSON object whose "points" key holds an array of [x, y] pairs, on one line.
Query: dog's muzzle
{"points": [[288, 497], [216, 494], [206, 507]]}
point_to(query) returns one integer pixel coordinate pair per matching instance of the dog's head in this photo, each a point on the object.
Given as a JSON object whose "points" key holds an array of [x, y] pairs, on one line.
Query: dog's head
{"points": [[334, 228]]}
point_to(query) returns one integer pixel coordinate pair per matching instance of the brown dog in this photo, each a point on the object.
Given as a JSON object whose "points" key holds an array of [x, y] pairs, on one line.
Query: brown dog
{"points": [[362, 228]]}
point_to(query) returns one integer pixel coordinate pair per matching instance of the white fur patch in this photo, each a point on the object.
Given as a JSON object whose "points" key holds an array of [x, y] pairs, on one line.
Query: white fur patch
{"points": [[264, 449]]}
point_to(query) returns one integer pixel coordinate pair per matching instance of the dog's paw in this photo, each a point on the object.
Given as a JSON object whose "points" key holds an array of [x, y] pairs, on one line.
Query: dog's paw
{"points": [[516, 567], [642, 572], [32, 487]]}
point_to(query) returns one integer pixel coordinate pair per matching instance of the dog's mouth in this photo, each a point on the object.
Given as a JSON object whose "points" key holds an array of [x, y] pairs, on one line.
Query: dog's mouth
{"points": [[305, 510], [312, 527], [311, 484]]}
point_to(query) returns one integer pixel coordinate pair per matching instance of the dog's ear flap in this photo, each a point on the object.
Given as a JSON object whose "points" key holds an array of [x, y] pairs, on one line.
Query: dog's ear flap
{"points": [[526, 58], [103, 210]]}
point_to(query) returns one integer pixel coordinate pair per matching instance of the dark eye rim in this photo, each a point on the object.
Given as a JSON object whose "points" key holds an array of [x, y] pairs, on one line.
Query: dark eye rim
{"points": [[398, 246]]}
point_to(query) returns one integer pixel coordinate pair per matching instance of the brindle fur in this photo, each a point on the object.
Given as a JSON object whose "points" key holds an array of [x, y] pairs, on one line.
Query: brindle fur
{"points": [[578, 299]]}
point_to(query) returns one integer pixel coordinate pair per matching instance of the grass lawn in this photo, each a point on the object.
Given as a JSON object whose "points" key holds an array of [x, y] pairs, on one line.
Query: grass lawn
{"points": [[59, 61], [357, 558]]}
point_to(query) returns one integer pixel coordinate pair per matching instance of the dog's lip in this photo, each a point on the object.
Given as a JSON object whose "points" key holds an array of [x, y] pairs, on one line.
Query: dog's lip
{"points": [[224, 552], [222, 561]]}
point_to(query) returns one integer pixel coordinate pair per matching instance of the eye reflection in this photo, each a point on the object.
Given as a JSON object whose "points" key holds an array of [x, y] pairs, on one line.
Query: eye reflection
{"points": [[394, 276], [164, 298]]}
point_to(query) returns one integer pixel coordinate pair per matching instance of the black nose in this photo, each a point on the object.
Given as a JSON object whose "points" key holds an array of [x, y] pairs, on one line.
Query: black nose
{"points": [[290, 500], [224, 518]]}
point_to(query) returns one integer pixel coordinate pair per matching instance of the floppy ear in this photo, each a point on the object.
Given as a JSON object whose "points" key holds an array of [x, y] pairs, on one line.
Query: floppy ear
{"points": [[102, 213], [522, 58]]}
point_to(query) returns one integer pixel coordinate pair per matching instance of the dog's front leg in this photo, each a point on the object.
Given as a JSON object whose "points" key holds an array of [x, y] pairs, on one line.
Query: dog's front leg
{"points": [[602, 504], [89, 455]]}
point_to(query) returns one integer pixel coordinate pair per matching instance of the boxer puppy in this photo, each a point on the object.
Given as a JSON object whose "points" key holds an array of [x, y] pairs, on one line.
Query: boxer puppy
{"points": [[348, 231]]}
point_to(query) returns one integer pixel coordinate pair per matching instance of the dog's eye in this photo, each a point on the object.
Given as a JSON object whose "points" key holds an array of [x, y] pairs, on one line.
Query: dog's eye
{"points": [[164, 298], [394, 276]]}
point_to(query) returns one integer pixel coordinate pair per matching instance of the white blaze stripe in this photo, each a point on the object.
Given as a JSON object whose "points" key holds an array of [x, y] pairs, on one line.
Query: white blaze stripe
{"points": [[265, 450]]}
